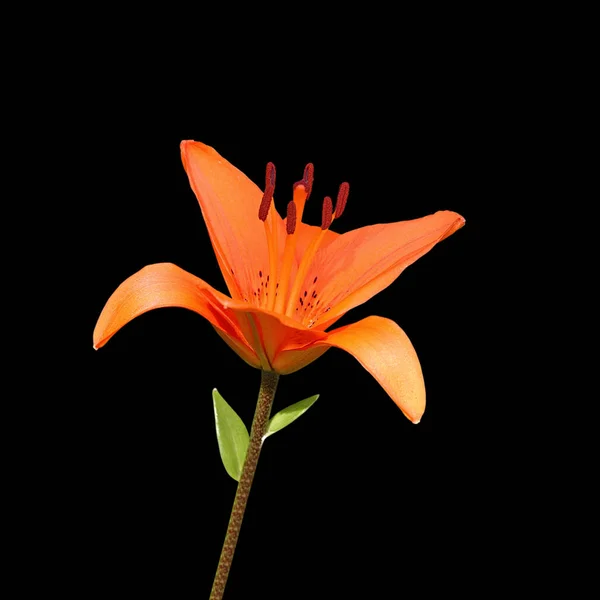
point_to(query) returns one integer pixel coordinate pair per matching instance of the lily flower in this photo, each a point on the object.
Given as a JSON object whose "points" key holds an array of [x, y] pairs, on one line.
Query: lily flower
{"points": [[288, 281]]}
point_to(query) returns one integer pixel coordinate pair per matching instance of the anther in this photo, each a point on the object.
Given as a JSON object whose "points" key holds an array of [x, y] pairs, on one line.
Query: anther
{"points": [[342, 198], [265, 204], [290, 224], [309, 176], [327, 213]]}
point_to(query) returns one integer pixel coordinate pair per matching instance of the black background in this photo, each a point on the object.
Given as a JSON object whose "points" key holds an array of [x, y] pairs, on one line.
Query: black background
{"points": [[347, 501]]}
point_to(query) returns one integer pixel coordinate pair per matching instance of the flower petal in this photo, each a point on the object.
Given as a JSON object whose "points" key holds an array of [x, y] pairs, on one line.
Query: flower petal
{"points": [[163, 285], [384, 350], [306, 234], [359, 264], [282, 343], [229, 203]]}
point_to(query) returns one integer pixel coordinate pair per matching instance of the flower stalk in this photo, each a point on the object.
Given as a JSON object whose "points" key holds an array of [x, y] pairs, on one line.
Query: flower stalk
{"points": [[266, 395]]}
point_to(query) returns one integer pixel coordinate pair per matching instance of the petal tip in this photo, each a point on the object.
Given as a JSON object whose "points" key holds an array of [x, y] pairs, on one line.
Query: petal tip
{"points": [[458, 223], [187, 145]]}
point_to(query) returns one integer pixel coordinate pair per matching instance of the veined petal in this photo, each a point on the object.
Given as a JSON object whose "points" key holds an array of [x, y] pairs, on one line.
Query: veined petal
{"points": [[229, 202], [163, 285], [359, 264], [279, 340], [307, 233], [384, 350]]}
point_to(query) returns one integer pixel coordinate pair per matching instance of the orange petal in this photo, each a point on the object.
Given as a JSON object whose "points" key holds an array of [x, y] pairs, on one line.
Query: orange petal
{"points": [[306, 234], [290, 361], [285, 345], [384, 350], [229, 203], [163, 285], [359, 264]]}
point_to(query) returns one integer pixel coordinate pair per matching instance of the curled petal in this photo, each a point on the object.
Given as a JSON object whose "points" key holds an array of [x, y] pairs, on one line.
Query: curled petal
{"points": [[283, 344], [384, 350], [290, 361], [163, 285]]}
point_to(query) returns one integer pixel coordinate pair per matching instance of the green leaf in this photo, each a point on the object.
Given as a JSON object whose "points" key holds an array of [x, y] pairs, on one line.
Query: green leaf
{"points": [[288, 415], [232, 436]]}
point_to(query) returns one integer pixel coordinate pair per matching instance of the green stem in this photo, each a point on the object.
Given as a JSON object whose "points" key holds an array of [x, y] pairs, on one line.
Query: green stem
{"points": [[266, 394]]}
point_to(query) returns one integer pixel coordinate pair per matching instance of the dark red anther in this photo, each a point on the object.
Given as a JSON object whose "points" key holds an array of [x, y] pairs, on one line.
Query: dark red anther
{"points": [[290, 223], [327, 213], [270, 175], [265, 204], [342, 198], [307, 179]]}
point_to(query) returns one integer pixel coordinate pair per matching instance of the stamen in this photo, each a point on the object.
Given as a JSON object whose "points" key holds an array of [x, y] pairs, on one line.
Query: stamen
{"points": [[309, 177], [288, 300], [342, 198], [271, 225], [265, 204], [327, 215], [290, 225], [270, 175]]}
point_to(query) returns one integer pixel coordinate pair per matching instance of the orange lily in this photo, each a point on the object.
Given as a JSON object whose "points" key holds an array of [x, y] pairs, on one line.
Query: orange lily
{"points": [[288, 281]]}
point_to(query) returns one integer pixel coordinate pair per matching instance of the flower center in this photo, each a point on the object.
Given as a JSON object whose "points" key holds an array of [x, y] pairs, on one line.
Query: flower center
{"points": [[287, 296]]}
